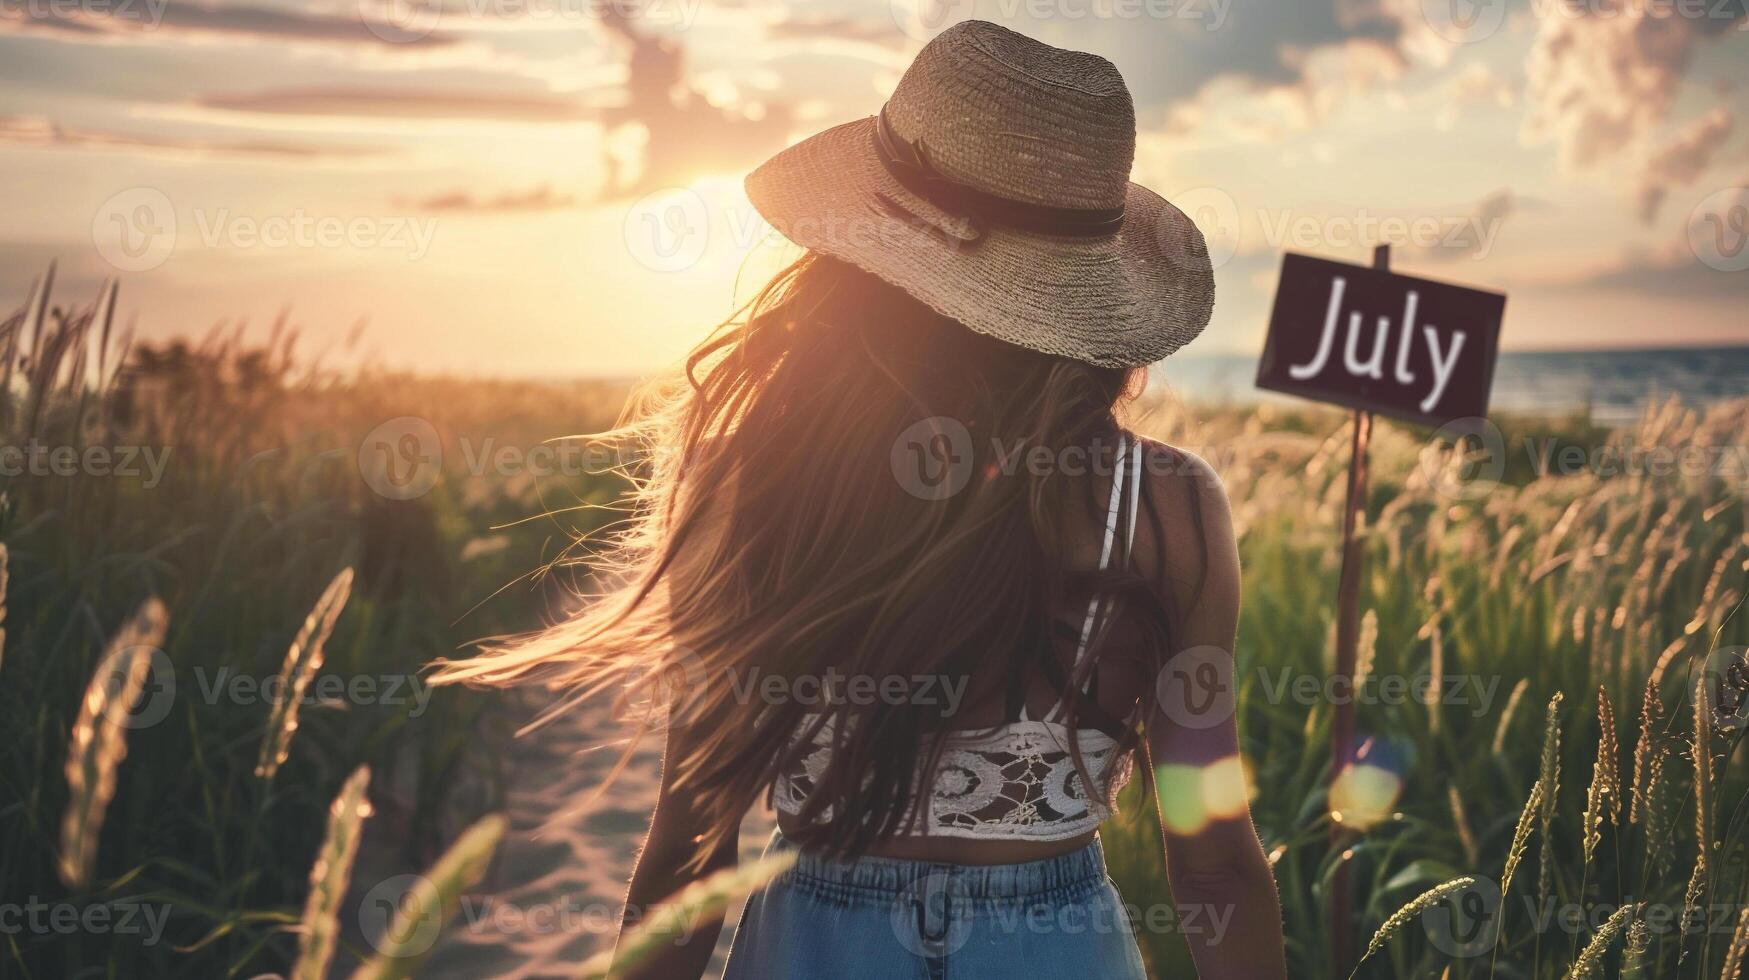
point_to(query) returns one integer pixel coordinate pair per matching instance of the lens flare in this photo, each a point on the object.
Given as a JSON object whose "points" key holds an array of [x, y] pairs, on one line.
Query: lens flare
{"points": [[1193, 797], [1364, 795]]}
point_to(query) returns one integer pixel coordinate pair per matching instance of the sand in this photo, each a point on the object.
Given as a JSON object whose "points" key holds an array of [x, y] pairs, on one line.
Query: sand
{"points": [[553, 894]]}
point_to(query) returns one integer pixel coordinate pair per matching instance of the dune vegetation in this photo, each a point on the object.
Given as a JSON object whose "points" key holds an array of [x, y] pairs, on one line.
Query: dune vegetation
{"points": [[225, 568]]}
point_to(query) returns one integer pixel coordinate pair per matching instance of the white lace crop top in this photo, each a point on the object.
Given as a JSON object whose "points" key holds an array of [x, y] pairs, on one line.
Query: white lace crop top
{"points": [[1018, 780]]}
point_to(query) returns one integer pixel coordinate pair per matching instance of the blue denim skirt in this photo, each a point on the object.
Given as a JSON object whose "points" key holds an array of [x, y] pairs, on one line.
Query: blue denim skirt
{"points": [[889, 919]]}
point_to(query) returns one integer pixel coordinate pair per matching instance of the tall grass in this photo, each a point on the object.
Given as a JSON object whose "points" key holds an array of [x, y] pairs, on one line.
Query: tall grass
{"points": [[1612, 582], [258, 504], [1617, 585]]}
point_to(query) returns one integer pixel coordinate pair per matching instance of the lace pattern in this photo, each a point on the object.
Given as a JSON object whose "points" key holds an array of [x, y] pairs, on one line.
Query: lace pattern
{"points": [[1017, 781]]}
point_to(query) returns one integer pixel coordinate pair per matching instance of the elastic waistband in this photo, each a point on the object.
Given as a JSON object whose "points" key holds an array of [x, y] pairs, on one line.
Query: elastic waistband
{"points": [[883, 876]]}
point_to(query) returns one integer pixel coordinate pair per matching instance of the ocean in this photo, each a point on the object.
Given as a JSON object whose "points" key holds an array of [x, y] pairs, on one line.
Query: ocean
{"points": [[1612, 386]]}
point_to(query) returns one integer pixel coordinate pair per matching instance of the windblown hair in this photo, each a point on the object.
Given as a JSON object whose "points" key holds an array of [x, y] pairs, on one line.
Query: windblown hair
{"points": [[784, 523]]}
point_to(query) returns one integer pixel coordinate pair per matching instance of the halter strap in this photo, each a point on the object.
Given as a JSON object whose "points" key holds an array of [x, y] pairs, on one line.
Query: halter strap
{"points": [[1095, 605]]}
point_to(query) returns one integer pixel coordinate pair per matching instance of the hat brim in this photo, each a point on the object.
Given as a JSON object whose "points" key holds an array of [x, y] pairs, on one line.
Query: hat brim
{"points": [[1125, 300]]}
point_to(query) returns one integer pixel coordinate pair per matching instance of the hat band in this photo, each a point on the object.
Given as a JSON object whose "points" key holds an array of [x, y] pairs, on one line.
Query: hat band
{"points": [[908, 165]]}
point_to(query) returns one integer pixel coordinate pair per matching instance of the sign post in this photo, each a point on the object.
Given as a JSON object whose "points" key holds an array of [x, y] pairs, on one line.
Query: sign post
{"points": [[1432, 365]]}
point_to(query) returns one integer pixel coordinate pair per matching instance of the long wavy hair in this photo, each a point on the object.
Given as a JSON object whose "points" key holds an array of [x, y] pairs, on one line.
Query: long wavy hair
{"points": [[844, 484]]}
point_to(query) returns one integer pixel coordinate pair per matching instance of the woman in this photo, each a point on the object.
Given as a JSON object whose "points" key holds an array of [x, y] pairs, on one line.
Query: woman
{"points": [[899, 570]]}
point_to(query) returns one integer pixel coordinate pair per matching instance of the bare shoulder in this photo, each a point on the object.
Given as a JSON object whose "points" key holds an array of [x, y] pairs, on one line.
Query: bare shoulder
{"points": [[1189, 536], [1184, 488]]}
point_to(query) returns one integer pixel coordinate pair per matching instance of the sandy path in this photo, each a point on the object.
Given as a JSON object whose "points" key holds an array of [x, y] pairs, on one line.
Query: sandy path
{"points": [[553, 894]]}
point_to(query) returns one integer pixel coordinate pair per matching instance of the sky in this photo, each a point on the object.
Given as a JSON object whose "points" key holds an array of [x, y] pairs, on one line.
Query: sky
{"points": [[553, 187]]}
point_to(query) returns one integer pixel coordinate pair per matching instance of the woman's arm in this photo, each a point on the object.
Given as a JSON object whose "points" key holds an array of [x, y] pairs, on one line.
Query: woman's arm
{"points": [[674, 829], [1213, 859]]}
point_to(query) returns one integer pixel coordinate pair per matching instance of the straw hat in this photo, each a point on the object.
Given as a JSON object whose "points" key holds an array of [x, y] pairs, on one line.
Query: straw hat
{"points": [[994, 186]]}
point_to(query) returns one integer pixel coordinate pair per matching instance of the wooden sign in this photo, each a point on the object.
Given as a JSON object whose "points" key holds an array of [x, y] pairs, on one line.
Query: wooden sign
{"points": [[1413, 349]]}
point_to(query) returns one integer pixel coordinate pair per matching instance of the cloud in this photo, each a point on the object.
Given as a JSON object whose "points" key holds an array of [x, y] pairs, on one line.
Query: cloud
{"points": [[1311, 52], [400, 104], [815, 28], [185, 18], [802, 27], [1669, 271], [542, 198], [42, 132], [1604, 74], [1682, 160], [1475, 236], [1475, 85], [666, 133]]}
